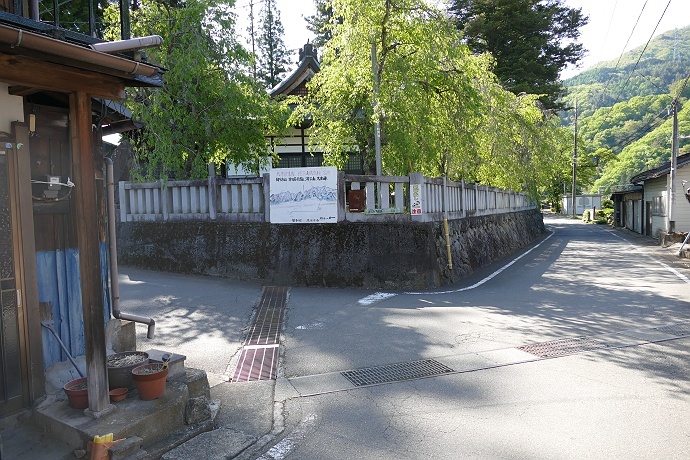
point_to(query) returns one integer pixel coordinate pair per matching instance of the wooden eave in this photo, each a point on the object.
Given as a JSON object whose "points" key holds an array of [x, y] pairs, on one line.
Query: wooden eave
{"points": [[29, 60], [307, 69]]}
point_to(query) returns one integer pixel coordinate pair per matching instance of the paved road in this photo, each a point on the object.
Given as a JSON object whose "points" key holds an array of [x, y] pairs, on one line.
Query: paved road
{"points": [[582, 280]]}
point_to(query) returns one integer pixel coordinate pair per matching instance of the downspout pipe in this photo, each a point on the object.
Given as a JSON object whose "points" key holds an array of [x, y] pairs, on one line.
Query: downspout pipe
{"points": [[114, 285]]}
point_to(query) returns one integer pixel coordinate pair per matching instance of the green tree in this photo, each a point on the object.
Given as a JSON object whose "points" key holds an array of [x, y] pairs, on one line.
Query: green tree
{"points": [[74, 15], [210, 109], [319, 23], [273, 57], [440, 109], [531, 41]]}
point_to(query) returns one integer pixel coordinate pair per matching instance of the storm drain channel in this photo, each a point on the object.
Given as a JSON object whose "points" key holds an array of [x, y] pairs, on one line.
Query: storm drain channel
{"points": [[396, 372], [259, 357], [310, 385], [564, 347]]}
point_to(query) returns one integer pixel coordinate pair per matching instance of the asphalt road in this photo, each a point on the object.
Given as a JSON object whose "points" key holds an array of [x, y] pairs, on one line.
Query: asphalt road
{"points": [[628, 399]]}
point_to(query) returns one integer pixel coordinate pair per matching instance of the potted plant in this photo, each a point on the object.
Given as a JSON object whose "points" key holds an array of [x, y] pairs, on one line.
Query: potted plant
{"points": [[120, 367], [150, 379], [77, 393]]}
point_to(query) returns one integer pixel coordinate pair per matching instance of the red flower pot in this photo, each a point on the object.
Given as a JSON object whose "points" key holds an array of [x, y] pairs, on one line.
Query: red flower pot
{"points": [[150, 380], [77, 393]]}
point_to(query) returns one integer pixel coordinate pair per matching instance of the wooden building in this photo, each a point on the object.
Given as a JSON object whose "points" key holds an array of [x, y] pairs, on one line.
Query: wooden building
{"points": [[660, 214], [293, 148], [58, 93]]}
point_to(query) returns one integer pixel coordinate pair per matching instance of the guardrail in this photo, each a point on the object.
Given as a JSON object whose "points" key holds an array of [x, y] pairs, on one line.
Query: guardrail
{"points": [[360, 198]]}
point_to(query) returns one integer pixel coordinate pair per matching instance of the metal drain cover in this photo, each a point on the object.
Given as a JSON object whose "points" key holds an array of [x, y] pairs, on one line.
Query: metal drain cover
{"points": [[680, 330], [563, 347], [396, 372]]}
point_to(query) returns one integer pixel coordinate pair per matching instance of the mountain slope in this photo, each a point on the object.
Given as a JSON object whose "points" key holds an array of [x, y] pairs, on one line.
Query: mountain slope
{"points": [[623, 106]]}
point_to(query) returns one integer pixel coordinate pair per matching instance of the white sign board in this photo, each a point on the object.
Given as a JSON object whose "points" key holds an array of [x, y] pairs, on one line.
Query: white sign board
{"points": [[304, 195]]}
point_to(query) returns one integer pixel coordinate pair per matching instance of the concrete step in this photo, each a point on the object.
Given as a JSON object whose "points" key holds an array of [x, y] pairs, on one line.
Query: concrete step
{"points": [[146, 426]]}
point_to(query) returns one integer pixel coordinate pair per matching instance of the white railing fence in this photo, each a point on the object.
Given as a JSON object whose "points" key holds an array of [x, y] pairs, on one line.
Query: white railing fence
{"points": [[382, 198]]}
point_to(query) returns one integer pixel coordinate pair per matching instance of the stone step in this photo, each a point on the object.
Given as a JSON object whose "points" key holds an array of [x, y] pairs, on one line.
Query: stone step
{"points": [[146, 426]]}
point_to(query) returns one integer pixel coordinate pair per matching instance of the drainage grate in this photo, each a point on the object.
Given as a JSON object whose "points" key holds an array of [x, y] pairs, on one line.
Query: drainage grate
{"points": [[396, 372], [259, 358], [680, 330], [563, 347]]}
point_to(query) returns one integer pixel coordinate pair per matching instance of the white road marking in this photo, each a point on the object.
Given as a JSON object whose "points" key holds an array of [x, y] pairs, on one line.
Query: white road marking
{"points": [[291, 441], [669, 268], [488, 278], [376, 297]]}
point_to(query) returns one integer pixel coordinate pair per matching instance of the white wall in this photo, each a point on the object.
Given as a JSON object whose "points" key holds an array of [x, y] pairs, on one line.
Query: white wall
{"points": [[11, 109], [682, 209]]}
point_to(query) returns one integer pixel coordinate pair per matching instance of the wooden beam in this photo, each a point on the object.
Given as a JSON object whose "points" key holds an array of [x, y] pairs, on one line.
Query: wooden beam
{"points": [[86, 224], [27, 72], [18, 90]]}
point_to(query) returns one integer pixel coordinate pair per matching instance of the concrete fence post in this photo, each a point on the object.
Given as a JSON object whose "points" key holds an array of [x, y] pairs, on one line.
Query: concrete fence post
{"points": [[124, 202], [212, 195], [341, 196], [267, 196], [165, 204], [418, 204]]}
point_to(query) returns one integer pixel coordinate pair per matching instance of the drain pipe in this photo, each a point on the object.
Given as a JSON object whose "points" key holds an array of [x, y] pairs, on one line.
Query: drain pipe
{"points": [[114, 286]]}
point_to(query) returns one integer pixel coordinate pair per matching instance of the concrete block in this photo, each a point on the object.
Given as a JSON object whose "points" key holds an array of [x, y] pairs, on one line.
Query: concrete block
{"points": [[126, 449], [197, 383], [197, 410], [175, 365]]}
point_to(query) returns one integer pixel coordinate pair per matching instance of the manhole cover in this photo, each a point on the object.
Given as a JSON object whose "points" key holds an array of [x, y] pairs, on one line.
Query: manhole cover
{"points": [[563, 347], [396, 372], [680, 330]]}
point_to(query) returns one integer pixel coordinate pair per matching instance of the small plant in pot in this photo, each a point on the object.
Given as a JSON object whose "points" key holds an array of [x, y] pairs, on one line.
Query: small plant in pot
{"points": [[150, 379], [77, 393], [120, 367]]}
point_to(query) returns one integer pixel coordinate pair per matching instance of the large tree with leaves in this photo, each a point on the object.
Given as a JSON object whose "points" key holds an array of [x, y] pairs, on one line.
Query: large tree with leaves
{"points": [[531, 41], [441, 110], [273, 57], [210, 109], [318, 23]]}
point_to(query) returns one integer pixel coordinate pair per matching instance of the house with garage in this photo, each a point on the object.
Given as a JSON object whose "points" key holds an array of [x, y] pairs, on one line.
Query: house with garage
{"points": [[665, 212], [648, 207]]}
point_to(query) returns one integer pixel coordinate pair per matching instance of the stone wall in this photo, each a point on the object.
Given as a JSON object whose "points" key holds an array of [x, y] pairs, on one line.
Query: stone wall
{"points": [[391, 255]]}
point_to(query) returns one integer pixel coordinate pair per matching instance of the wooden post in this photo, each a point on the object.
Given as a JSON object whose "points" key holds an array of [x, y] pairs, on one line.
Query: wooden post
{"points": [[86, 225]]}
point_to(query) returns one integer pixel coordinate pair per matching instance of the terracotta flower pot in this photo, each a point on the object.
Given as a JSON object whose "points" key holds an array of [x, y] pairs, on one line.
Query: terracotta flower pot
{"points": [[120, 367], [150, 380], [77, 393], [118, 394]]}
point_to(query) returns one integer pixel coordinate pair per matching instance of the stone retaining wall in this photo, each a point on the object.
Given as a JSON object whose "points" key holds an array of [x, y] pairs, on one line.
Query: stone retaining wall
{"points": [[370, 255]]}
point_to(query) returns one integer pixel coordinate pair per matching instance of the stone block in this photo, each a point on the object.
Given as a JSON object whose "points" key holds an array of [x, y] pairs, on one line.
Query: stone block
{"points": [[197, 410], [197, 383]]}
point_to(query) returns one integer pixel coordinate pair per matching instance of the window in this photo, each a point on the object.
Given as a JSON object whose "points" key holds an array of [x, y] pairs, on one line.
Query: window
{"points": [[659, 206]]}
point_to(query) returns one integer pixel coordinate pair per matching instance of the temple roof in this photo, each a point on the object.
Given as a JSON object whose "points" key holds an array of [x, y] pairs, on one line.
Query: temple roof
{"points": [[295, 83]]}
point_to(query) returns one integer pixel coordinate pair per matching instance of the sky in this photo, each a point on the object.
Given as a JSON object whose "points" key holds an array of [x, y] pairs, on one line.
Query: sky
{"points": [[611, 24]]}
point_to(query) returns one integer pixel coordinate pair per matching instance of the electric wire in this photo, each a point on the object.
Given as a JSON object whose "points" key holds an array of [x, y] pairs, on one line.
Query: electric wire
{"points": [[649, 127]]}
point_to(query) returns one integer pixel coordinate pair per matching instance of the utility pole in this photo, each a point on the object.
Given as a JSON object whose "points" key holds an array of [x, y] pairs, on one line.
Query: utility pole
{"points": [[575, 164], [672, 175]]}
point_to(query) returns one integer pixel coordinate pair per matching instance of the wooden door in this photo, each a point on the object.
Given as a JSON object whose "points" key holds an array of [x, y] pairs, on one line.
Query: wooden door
{"points": [[14, 377]]}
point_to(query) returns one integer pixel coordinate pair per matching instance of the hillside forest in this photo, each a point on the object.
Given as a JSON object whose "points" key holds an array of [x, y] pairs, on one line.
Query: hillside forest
{"points": [[624, 112]]}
